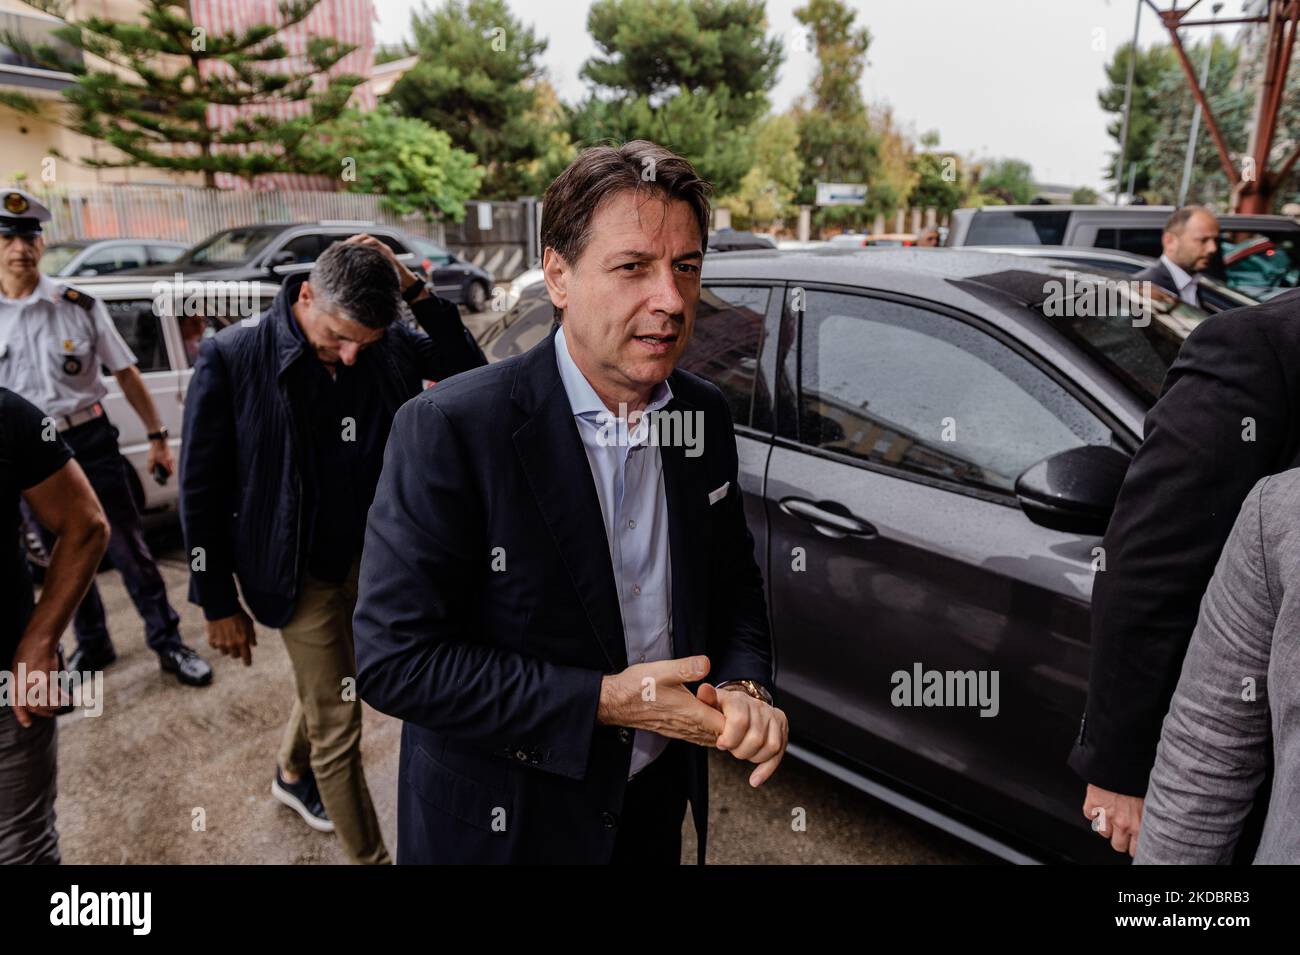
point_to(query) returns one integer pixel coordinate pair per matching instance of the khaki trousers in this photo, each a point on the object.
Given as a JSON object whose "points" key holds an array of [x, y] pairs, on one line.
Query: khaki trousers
{"points": [[324, 729]]}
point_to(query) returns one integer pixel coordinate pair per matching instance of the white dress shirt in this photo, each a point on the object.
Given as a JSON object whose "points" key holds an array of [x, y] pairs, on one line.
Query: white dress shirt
{"points": [[628, 474], [1185, 283]]}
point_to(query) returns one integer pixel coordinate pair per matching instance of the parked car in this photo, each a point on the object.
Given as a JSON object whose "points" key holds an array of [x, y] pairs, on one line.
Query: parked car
{"points": [[453, 278], [520, 282], [86, 257], [166, 346], [1214, 295], [1259, 254], [738, 240], [851, 240], [890, 240], [928, 461], [267, 253]]}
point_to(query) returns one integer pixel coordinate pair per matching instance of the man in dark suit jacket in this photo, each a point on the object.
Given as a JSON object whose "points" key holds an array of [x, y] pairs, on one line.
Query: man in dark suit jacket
{"points": [[1228, 415], [285, 423], [1189, 241], [544, 585]]}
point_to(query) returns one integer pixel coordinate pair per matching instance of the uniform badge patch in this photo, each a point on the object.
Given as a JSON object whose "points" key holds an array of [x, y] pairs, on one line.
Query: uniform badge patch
{"points": [[72, 365]]}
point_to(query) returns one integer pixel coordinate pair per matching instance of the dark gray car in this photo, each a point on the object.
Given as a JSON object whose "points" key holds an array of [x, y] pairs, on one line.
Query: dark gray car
{"points": [[928, 461]]}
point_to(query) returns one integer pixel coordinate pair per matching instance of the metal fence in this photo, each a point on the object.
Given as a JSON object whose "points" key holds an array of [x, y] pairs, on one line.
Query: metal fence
{"points": [[190, 214], [501, 237]]}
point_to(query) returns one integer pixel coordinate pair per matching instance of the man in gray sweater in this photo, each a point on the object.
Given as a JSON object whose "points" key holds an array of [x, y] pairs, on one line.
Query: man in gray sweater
{"points": [[1238, 695]]}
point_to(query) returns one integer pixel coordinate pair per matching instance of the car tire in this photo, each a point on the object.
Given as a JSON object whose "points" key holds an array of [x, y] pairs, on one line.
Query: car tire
{"points": [[476, 296]]}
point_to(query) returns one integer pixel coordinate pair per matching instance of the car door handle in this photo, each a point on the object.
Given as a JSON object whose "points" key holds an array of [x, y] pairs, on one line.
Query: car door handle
{"points": [[829, 517]]}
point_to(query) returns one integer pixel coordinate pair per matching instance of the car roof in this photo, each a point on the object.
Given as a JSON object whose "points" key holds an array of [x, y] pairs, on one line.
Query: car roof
{"points": [[959, 277], [118, 287], [1130, 211], [1064, 251], [847, 266]]}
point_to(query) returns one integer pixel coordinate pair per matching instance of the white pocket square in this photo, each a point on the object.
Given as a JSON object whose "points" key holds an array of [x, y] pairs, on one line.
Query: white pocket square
{"points": [[720, 493]]}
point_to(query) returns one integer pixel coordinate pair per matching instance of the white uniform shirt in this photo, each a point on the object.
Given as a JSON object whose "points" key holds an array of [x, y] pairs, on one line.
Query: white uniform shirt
{"points": [[51, 349]]}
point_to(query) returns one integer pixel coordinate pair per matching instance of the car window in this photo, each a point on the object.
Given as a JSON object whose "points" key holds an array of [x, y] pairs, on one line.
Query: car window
{"points": [[1109, 320], [57, 256], [161, 254], [196, 329], [993, 227], [527, 323], [724, 345], [113, 259], [304, 248], [1139, 241], [1259, 263], [921, 392], [393, 244], [233, 246], [432, 252], [140, 326]]}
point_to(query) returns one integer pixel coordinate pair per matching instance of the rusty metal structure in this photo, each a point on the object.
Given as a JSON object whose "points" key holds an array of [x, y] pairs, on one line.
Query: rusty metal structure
{"points": [[1254, 184]]}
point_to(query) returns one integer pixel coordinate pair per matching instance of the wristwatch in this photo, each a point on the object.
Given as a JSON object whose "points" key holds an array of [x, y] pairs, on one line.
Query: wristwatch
{"points": [[414, 289], [159, 435], [754, 689]]}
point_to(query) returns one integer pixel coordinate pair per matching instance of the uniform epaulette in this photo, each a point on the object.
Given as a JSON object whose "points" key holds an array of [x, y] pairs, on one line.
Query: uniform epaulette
{"points": [[78, 297]]}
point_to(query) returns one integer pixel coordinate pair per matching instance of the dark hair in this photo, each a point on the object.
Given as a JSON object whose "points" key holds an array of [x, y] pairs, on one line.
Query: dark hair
{"points": [[360, 282], [1180, 217], [597, 174]]}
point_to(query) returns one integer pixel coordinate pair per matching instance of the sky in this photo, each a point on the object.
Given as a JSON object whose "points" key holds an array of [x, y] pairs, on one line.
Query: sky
{"points": [[995, 78]]}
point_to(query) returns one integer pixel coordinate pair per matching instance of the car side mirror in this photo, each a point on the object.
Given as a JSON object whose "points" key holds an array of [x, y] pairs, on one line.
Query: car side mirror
{"points": [[1074, 490], [283, 257]]}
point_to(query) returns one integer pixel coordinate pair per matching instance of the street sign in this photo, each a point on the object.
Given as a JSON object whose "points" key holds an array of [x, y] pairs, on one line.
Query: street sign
{"points": [[841, 194]]}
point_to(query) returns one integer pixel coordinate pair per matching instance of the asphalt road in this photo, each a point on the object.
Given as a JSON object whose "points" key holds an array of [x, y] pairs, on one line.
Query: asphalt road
{"points": [[173, 774]]}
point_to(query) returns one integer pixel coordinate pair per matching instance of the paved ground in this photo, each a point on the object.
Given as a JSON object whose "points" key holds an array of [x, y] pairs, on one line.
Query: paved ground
{"points": [[136, 783]]}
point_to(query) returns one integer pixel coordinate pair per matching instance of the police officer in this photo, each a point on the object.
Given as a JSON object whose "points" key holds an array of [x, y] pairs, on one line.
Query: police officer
{"points": [[53, 338]]}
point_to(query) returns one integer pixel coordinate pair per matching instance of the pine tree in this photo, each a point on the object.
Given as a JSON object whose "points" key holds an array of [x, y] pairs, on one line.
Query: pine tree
{"points": [[145, 87]]}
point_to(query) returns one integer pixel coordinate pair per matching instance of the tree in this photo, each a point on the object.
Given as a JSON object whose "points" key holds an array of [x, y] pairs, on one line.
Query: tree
{"points": [[1085, 196], [478, 79], [691, 75], [894, 178], [1007, 181], [767, 192], [145, 89], [938, 182], [1231, 105], [1152, 65], [836, 143], [660, 49], [413, 166]]}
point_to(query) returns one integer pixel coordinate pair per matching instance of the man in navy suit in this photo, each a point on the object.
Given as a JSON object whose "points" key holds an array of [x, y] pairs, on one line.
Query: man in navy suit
{"points": [[557, 558]]}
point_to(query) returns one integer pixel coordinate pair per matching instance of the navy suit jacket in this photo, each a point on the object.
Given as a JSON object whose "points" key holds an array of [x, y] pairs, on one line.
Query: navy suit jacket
{"points": [[488, 614], [1157, 274]]}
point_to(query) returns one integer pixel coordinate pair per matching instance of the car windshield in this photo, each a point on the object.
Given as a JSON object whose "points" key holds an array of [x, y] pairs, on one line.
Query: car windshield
{"points": [[232, 247], [1261, 263], [1133, 329], [57, 256], [429, 250]]}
